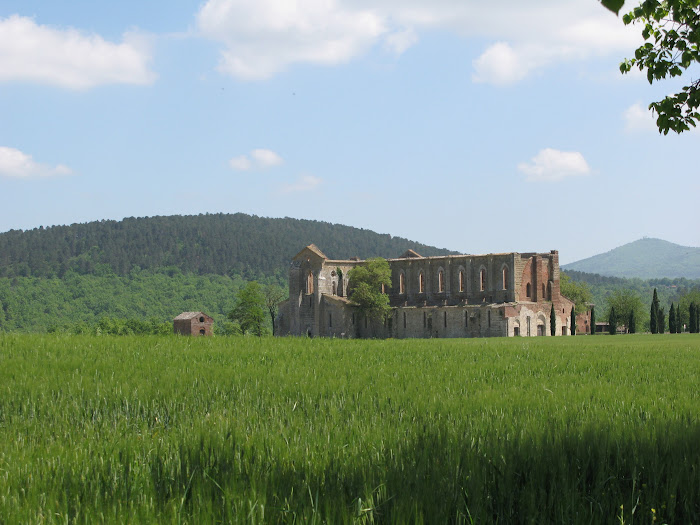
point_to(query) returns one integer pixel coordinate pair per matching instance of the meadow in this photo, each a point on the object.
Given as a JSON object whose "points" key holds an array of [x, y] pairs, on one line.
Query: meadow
{"points": [[165, 429]]}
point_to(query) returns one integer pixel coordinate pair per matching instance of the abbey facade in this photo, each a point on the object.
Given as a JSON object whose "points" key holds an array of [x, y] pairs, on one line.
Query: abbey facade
{"points": [[494, 295]]}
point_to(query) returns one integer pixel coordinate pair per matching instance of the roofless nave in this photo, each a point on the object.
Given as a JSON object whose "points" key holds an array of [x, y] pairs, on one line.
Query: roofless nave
{"points": [[494, 295]]}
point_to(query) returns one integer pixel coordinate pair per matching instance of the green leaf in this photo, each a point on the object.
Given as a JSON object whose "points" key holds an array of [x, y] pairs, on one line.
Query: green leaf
{"points": [[613, 5]]}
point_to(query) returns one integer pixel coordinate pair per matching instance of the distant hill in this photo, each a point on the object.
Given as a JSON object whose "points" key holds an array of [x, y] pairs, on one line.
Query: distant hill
{"points": [[221, 244], [646, 259]]}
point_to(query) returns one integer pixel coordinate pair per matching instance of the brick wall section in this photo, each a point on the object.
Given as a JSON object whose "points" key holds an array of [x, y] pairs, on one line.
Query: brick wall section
{"points": [[194, 326]]}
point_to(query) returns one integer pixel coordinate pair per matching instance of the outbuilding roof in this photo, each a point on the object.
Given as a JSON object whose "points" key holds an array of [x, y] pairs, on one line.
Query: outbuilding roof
{"points": [[190, 315]]}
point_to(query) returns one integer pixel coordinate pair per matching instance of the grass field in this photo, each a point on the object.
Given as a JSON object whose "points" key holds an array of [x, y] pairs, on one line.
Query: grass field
{"points": [[241, 430]]}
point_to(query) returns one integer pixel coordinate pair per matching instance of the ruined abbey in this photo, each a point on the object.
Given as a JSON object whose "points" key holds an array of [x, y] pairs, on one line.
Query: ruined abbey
{"points": [[494, 295]]}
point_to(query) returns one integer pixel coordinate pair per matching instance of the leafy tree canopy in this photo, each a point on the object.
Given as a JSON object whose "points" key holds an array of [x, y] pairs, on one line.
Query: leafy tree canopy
{"points": [[366, 283], [249, 309], [274, 295], [624, 302], [578, 292], [672, 34]]}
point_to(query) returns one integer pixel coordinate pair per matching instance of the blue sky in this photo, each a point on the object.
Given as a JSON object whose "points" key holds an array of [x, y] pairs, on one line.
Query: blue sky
{"points": [[475, 126]]}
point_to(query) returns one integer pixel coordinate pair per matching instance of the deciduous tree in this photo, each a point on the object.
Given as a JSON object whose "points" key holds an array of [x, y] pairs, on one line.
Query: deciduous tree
{"points": [[249, 309], [366, 283], [578, 292], [625, 301], [274, 294]]}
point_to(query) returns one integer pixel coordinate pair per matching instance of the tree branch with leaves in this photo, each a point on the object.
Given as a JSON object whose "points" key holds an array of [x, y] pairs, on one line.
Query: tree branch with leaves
{"points": [[672, 45]]}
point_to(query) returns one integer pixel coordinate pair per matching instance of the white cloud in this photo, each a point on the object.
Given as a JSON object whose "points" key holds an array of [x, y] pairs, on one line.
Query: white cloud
{"points": [[68, 58], [259, 159], [499, 65], [266, 158], [303, 183], [240, 163], [551, 165], [402, 40], [263, 37], [14, 163], [638, 118]]}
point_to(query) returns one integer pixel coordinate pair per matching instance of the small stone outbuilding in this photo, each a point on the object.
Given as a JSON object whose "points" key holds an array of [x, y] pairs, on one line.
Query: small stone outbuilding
{"points": [[193, 323]]}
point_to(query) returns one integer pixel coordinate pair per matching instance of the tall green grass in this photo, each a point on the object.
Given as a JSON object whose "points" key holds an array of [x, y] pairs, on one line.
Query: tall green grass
{"points": [[238, 430]]}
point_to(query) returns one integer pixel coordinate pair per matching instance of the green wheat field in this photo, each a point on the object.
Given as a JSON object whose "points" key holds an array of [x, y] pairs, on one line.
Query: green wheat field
{"points": [[243, 430]]}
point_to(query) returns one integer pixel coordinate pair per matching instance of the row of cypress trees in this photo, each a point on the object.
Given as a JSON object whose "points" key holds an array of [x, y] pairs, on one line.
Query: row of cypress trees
{"points": [[657, 322], [675, 325]]}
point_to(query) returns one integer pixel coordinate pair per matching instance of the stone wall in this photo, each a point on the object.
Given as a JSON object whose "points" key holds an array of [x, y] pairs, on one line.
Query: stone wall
{"points": [[460, 296], [461, 280]]}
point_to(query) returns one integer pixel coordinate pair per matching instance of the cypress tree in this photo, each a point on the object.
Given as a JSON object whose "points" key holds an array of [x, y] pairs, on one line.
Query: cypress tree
{"points": [[632, 324], [697, 318], [677, 321], [691, 319], [552, 322], [672, 319], [661, 321], [654, 314], [592, 320], [612, 321], [573, 320]]}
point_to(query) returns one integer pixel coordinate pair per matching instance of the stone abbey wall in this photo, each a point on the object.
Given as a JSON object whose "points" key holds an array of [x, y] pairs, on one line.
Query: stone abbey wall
{"points": [[494, 295]]}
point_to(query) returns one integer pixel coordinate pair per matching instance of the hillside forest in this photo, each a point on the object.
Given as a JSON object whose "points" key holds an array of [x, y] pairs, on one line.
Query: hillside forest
{"points": [[135, 275]]}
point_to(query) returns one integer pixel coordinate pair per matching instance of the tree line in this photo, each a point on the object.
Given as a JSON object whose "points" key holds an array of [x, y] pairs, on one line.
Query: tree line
{"points": [[221, 244], [626, 309], [78, 303]]}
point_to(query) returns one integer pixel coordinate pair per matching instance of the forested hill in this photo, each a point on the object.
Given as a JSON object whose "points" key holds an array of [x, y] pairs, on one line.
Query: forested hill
{"points": [[223, 244], [646, 259]]}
